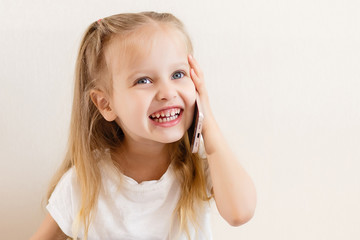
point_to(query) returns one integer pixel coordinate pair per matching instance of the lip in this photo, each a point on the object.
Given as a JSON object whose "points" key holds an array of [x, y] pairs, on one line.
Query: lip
{"points": [[170, 123]]}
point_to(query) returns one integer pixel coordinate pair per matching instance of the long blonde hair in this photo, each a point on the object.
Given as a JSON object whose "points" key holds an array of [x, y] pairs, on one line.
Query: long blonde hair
{"points": [[91, 134]]}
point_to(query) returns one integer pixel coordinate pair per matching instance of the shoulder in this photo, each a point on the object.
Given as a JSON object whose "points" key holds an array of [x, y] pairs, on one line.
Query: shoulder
{"points": [[67, 187], [67, 183], [69, 176]]}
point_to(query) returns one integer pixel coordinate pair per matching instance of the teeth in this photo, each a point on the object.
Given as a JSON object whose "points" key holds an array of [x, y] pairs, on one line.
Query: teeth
{"points": [[166, 114], [168, 119]]}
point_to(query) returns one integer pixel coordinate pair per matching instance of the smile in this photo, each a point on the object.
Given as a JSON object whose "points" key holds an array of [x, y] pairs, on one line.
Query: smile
{"points": [[166, 116]]}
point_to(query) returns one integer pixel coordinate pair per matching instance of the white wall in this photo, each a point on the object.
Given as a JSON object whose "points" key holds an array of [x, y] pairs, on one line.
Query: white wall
{"points": [[284, 80]]}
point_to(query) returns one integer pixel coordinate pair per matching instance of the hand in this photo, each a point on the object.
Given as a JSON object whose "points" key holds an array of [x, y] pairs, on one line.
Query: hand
{"points": [[197, 77], [234, 191]]}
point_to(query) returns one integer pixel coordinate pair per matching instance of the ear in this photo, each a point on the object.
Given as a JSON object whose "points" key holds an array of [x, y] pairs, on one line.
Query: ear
{"points": [[103, 105]]}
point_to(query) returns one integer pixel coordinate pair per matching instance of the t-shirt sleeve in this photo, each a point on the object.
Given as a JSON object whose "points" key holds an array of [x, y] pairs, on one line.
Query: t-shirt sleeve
{"points": [[63, 202]]}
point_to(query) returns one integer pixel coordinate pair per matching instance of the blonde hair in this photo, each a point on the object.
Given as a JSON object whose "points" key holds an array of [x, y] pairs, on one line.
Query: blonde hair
{"points": [[91, 134]]}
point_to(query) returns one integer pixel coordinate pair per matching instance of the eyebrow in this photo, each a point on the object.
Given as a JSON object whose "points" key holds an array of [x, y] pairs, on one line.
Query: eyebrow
{"points": [[182, 64]]}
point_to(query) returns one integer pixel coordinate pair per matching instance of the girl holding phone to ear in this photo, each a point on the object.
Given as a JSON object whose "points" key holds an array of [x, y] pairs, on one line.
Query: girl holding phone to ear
{"points": [[130, 172]]}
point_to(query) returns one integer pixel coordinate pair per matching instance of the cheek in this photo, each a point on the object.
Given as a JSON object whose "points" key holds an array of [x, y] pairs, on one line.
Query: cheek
{"points": [[189, 115], [136, 106], [189, 92], [130, 109], [189, 96]]}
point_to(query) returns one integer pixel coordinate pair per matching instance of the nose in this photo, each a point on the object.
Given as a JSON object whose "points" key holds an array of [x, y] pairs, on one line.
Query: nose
{"points": [[166, 91]]}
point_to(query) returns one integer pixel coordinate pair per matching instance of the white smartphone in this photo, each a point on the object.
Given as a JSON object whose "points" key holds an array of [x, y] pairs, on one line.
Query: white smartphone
{"points": [[194, 132]]}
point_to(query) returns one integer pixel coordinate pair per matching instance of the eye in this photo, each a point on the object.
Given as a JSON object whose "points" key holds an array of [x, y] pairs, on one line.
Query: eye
{"points": [[178, 75], [143, 81]]}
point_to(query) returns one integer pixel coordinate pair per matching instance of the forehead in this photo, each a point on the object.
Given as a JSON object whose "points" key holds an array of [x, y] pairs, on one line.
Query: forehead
{"points": [[133, 49]]}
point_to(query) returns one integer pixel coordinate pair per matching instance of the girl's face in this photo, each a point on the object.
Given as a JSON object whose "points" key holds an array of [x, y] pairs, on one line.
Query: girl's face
{"points": [[153, 95]]}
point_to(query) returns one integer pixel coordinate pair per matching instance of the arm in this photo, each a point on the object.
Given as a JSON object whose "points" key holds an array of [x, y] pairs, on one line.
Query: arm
{"points": [[234, 191], [49, 230]]}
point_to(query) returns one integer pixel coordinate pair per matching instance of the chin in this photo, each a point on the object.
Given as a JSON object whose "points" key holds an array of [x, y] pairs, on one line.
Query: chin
{"points": [[171, 138]]}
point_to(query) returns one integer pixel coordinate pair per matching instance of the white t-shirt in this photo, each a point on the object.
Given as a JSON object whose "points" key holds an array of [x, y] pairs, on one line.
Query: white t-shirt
{"points": [[135, 211]]}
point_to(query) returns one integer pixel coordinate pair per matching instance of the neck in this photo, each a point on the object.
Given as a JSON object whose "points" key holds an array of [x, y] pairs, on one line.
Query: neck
{"points": [[145, 153], [142, 161]]}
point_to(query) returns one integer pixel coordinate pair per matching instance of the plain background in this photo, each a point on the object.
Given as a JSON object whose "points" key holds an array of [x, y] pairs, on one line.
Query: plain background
{"points": [[283, 79]]}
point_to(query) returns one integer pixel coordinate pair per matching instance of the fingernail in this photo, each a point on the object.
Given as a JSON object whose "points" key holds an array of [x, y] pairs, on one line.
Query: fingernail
{"points": [[190, 56]]}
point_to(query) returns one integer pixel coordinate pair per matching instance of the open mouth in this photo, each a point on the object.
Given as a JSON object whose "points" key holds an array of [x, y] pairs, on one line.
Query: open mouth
{"points": [[167, 115]]}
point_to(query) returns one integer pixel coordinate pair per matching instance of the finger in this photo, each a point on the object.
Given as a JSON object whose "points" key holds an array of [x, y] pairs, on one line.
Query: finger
{"points": [[198, 82], [195, 65]]}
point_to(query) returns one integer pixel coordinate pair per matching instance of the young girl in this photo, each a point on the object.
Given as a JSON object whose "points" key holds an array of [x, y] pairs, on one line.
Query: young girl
{"points": [[129, 172]]}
